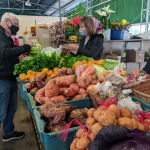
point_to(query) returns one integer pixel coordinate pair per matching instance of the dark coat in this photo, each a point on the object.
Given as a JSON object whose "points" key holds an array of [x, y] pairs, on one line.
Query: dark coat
{"points": [[9, 55], [93, 48], [147, 67]]}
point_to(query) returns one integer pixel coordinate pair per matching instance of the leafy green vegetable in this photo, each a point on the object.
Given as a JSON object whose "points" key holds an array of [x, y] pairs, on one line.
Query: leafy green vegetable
{"points": [[110, 64]]}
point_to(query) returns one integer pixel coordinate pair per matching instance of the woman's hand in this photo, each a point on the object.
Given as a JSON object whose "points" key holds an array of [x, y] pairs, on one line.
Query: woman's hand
{"points": [[73, 47], [136, 72]]}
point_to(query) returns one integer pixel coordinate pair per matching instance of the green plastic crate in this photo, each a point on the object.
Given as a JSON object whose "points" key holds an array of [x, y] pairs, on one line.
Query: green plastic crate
{"points": [[50, 140]]}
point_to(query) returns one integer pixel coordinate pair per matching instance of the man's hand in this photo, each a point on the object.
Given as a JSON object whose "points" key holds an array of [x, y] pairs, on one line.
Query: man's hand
{"points": [[73, 47], [136, 72], [31, 43]]}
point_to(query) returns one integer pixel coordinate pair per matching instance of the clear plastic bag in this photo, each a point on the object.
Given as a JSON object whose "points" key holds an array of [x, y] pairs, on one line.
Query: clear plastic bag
{"points": [[127, 102], [51, 49]]}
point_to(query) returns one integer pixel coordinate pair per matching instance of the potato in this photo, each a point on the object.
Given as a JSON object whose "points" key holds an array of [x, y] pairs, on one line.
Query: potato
{"points": [[95, 128], [107, 117], [90, 112], [97, 112], [80, 132], [140, 126], [82, 143], [125, 121], [125, 112], [72, 146], [89, 122], [134, 123], [91, 136], [115, 109]]}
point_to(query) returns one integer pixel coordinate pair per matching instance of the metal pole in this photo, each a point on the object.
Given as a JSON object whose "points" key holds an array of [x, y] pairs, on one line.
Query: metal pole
{"points": [[59, 10], [147, 15]]}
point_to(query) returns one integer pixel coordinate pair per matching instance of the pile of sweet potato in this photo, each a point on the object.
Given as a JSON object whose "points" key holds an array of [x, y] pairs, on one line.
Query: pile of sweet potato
{"points": [[67, 87]]}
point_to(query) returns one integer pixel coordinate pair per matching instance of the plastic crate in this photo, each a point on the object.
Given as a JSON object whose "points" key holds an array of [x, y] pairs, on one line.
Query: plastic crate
{"points": [[50, 140], [23, 91], [33, 104], [145, 106]]}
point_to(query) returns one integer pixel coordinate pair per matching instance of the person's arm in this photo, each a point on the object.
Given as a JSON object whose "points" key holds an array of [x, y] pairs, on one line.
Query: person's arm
{"points": [[147, 67], [7, 53], [94, 50]]}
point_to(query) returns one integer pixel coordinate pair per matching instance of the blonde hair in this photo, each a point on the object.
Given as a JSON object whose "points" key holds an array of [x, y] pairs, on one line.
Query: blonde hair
{"points": [[9, 16], [89, 24]]}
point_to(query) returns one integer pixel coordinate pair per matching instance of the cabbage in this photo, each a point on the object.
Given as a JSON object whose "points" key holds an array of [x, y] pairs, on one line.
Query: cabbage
{"points": [[99, 69], [35, 49], [120, 138], [110, 64]]}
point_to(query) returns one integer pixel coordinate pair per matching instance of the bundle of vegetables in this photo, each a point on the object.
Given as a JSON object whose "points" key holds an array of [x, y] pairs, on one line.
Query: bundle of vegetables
{"points": [[37, 63], [103, 116], [59, 114]]}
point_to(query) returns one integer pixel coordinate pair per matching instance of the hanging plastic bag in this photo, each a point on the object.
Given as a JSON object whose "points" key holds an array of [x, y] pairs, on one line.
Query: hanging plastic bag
{"points": [[50, 50]]}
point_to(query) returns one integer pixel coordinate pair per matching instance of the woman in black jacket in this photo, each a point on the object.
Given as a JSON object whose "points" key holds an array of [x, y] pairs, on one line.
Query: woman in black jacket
{"points": [[91, 44]]}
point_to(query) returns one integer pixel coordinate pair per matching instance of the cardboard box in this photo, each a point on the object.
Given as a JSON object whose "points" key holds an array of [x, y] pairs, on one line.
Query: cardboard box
{"points": [[43, 37], [131, 66], [142, 65], [135, 55]]}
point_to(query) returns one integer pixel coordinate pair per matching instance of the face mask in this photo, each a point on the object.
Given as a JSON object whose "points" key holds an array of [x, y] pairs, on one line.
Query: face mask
{"points": [[82, 32], [14, 29]]}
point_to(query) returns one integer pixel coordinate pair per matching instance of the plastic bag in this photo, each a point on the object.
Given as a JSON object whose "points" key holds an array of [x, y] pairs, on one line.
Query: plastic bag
{"points": [[120, 138], [120, 68], [99, 70], [51, 49], [127, 102]]}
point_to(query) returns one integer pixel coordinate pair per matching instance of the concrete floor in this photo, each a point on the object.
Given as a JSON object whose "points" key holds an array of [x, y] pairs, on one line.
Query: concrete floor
{"points": [[24, 123]]}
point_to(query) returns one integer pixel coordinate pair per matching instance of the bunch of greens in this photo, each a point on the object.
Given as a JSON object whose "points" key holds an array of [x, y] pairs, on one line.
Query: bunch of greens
{"points": [[37, 63], [67, 60]]}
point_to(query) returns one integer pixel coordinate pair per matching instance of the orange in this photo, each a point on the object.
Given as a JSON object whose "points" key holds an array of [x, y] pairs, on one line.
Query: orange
{"points": [[55, 69], [56, 73], [52, 75], [45, 70], [49, 72], [29, 72], [84, 61]]}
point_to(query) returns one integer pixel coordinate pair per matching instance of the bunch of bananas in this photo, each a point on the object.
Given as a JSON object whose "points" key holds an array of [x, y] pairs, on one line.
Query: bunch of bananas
{"points": [[73, 38], [26, 32]]}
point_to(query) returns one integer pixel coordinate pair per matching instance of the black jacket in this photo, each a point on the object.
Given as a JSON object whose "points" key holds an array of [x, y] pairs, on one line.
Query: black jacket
{"points": [[9, 55], [147, 67], [93, 48]]}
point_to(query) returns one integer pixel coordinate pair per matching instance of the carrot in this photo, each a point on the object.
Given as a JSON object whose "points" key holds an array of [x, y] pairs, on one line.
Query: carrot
{"points": [[89, 71], [65, 81]]}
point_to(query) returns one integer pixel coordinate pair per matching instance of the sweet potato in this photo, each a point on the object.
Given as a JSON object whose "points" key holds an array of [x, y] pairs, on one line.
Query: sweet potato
{"points": [[62, 71], [44, 100], [59, 98], [84, 82], [62, 90], [80, 96], [51, 89], [28, 86], [65, 81], [39, 94], [81, 91], [72, 90], [41, 77], [70, 71], [34, 89]]}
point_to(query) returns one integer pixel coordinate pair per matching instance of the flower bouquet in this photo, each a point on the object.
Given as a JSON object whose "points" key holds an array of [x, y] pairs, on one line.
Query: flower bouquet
{"points": [[118, 28], [57, 33], [71, 27]]}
